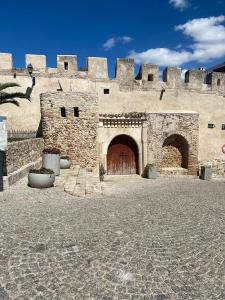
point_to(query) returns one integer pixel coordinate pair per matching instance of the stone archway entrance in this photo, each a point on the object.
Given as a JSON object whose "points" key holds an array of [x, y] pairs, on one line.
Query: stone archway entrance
{"points": [[175, 152], [122, 156]]}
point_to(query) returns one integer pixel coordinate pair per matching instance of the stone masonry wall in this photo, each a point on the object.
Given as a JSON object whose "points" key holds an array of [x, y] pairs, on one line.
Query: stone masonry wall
{"points": [[22, 153], [163, 125], [75, 136], [172, 157], [218, 167], [175, 152]]}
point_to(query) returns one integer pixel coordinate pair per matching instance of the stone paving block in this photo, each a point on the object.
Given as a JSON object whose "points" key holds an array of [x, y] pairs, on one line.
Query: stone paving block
{"points": [[139, 239]]}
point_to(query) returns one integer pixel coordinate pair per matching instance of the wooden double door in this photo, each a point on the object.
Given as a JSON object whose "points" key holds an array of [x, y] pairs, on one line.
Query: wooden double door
{"points": [[122, 157]]}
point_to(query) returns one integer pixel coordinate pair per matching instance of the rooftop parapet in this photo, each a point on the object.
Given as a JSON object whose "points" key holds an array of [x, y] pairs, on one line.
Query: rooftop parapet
{"points": [[6, 61], [172, 76], [148, 72], [37, 61], [125, 69], [67, 64], [195, 78], [97, 67], [216, 80]]}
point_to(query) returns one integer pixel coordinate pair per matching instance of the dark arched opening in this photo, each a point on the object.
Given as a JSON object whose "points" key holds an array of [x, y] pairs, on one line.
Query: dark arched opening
{"points": [[122, 156], [175, 152]]}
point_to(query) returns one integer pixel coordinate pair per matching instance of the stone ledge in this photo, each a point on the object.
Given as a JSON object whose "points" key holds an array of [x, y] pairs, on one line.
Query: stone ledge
{"points": [[20, 173]]}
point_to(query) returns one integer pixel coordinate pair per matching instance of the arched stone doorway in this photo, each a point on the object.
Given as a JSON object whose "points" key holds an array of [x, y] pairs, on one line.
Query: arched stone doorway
{"points": [[122, 156], [175, 152]]}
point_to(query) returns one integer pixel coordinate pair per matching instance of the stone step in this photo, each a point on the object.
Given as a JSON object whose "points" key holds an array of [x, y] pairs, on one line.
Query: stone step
{"points": [[174, 171], [70, 185], [62, 179], [78, 182]]}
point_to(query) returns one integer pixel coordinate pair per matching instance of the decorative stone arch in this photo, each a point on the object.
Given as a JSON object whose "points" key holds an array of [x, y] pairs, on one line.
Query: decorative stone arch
{"points": [[185, 135], [180, 150], [122, 155]]}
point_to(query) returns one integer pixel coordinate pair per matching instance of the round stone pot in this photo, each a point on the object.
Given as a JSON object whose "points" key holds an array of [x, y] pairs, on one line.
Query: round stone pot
{"points": [[40, 181], [152, 174], [65, 163], [52, 162]]}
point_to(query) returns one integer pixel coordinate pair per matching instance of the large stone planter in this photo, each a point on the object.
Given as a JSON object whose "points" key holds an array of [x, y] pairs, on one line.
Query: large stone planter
{"points": [[206, 173], [52, 162], [65, 163], [41, 181], [151, 173]]}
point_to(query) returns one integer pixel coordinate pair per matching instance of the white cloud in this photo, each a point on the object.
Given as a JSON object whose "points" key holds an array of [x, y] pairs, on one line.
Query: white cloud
{"points": [[110, 43], [204, 30], [208, 42], [180, 4], [160, 56], [125, 39]]}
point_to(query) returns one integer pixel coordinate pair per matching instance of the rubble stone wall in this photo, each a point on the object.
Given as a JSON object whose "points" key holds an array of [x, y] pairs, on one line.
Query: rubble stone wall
{"points": [[75, 136], [218, 167], [22, 153], [185, 126]]}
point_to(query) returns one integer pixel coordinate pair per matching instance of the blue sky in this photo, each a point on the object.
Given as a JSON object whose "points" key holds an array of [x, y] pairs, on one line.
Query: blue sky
{"points": [[185, 33]]}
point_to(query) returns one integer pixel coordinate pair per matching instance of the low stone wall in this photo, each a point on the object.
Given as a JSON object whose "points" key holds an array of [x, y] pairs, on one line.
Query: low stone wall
{"points": [[22, 153], [218, 167]]}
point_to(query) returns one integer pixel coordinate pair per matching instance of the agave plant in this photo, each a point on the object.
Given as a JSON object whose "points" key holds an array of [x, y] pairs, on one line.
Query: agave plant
{"points": [[10, 97]]}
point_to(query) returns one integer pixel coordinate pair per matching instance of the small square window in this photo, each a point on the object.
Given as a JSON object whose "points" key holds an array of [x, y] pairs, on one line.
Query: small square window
{"points": [[63, 112], [223, 126], [66, 65], [106, 91], [76, 112], [210, 125], [150, 77]]}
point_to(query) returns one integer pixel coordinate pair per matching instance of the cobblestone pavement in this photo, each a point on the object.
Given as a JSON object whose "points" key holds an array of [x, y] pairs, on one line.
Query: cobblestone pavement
{"points": [[142, 239]]}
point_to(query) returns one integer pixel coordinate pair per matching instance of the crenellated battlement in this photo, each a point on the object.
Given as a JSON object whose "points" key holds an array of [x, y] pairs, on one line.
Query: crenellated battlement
{"points": [[97, 69]]}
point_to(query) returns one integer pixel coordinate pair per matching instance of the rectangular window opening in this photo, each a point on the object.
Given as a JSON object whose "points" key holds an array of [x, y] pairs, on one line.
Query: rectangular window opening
{"points": [[63, 112], [211, 125], [150, 77], [76, 112], [218, 82], [66, 65], [223, 126], [106, 91]]}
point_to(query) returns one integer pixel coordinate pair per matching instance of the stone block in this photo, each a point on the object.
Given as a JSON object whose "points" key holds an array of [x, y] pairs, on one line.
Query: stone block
{"points": [[148, 72], [97, 67], [37, 61], [125, 69], [67, 64], [172, 76], [216, 80], [195, 78], [6, 61]]}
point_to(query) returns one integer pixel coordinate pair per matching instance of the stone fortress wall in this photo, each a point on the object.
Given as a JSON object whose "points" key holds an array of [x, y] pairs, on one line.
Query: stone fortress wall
{"points": [[200, 93]]}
